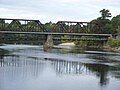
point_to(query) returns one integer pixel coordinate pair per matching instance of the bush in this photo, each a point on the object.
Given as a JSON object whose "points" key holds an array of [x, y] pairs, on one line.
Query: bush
{"points": [[113, 42]]}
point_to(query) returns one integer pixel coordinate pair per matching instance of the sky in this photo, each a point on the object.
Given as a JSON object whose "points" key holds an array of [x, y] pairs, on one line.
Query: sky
{"points": [[57, 10]]}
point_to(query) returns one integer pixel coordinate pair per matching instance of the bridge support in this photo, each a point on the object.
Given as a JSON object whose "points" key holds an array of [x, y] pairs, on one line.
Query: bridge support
{"points": [[48, 44]]}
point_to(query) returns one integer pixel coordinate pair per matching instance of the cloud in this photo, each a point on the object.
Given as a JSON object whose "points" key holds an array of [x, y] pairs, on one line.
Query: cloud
{"points": [[54, 10]]}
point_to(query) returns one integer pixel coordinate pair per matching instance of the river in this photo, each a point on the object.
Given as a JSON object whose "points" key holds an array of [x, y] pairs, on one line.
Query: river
{"points": [[28, 67]]}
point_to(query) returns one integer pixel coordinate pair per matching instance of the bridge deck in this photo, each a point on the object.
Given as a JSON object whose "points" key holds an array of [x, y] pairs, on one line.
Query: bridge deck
{"points": [[54, 33]]}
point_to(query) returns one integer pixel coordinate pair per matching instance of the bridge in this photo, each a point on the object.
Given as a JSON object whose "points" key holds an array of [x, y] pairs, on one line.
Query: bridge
{"points": [[61, 28]]}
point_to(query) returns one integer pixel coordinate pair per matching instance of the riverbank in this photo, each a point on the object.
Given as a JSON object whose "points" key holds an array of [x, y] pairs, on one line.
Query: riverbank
{"points": [[115, 49], [108, 48], [74, 44], [67, 44], [113, 44]]}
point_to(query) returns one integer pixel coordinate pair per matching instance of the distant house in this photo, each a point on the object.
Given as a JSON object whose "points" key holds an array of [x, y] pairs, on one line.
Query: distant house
{"points": [[118, 36]]}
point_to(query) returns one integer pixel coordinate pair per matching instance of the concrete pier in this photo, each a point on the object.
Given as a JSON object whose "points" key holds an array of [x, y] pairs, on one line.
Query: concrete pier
{"points": [[48, 44]]}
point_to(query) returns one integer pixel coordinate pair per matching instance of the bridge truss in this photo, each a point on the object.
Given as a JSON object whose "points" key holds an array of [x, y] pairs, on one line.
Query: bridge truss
{"points": [[21, 25], [71, 27]]}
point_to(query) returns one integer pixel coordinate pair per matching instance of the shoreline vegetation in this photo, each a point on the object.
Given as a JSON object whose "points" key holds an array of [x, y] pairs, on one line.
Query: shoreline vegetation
{"points": [[113, 44]]}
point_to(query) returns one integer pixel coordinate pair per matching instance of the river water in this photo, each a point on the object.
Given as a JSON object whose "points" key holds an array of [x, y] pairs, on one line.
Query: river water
{"points": [[28, 67]]}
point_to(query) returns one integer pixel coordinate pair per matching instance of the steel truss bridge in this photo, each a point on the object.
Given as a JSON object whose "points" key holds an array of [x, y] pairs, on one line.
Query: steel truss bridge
{"points": [[35, 27]]}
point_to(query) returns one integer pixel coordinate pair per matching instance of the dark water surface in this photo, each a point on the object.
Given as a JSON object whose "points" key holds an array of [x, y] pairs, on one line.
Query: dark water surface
{"points": [[25, 67]]}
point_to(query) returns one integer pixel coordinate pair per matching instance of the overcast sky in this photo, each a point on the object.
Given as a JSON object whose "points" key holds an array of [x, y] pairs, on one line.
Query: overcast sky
{"points": [[56, 10]]}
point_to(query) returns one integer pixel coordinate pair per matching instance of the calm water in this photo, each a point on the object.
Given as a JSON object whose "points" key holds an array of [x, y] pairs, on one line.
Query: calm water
{"points": [[25, 67]]}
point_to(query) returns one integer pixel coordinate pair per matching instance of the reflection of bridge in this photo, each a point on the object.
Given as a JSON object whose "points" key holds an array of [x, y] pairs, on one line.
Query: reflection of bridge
{"points": [[35, 27], [61, 67]]}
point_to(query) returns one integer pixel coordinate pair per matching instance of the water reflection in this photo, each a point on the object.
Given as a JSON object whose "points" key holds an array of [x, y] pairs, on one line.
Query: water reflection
{"points": [[38, 65], [100, 71], [104, 67], [66, 67], [16, 67], [23, 67]]}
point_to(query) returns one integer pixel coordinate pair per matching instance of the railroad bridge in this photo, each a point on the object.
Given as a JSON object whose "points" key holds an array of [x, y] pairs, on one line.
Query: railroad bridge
{"points": [[61, 28]]}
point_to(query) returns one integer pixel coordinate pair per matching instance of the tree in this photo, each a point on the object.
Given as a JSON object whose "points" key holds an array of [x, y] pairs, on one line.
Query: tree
{"points": [[49, 26], [102, 24], [105, 13], [2, 22], [115, 23]]}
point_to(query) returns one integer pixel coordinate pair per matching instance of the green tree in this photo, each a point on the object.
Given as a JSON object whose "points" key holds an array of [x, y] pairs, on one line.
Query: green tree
{"points": [[115, 23], [105, 13], [2, 23], [49, 26], [102, 24]]}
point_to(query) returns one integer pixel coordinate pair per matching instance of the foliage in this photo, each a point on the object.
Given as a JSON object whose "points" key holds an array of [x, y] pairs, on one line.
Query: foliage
{"points": [[49, 26], [105, 13], [104, 25], [101, 24], [113, 42], [88, 43], [115, 24]]}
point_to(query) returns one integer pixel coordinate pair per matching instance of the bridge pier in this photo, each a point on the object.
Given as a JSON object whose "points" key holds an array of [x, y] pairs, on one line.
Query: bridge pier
{"points": [[48, 44]]}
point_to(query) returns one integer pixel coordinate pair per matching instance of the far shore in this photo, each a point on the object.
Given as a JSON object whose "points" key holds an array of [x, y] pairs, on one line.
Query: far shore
{"points": [[116, 49]]}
